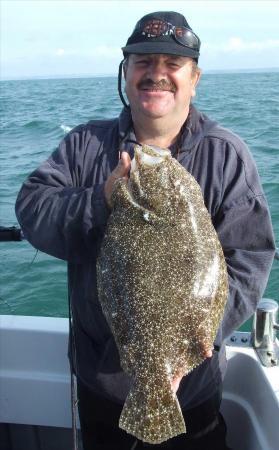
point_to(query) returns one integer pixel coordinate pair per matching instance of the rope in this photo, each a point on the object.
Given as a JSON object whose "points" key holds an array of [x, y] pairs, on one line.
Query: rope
{"points": [[119, 84]]}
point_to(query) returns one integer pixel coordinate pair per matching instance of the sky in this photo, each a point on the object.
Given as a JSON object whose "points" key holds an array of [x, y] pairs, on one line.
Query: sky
{"points": [[54, 38]]}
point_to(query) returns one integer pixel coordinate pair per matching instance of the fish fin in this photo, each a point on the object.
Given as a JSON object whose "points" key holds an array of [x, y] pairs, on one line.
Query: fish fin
{"points": [[152, 412]]}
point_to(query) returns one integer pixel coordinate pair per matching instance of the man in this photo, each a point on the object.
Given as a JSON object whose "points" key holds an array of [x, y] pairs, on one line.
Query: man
{"points": [[64, 205]]}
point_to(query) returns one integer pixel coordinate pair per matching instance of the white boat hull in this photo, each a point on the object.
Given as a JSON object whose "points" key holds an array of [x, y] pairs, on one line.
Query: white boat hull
{"points": [[35, 384]]}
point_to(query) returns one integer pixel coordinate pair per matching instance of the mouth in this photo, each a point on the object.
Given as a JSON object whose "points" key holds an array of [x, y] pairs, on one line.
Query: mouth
{"points": [[156, 89]]}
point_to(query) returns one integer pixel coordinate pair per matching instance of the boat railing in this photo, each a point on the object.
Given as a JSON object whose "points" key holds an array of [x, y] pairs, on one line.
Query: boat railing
{"points": [[265, 327]]}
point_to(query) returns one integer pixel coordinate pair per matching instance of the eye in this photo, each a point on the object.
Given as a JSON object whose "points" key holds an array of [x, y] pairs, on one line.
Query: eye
{"points": [[142, 62], [173, 65]]}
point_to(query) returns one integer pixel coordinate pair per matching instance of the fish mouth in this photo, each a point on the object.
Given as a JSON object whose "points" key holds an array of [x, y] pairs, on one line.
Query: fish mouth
{"points": [[148, 155]]}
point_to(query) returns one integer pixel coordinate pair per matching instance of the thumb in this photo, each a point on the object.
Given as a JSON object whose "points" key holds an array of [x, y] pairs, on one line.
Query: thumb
{"points": [[124, 164]]}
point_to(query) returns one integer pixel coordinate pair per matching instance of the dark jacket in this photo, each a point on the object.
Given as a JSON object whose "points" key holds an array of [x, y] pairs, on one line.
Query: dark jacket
{"points": [[62, 211]]}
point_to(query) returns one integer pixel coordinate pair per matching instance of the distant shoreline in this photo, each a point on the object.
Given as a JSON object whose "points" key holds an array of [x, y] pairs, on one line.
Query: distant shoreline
{"points": [[72, 76]]}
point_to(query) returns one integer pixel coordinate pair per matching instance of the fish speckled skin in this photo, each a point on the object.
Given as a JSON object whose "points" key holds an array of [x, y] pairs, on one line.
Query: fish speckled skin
{"points": [[162, 283]]}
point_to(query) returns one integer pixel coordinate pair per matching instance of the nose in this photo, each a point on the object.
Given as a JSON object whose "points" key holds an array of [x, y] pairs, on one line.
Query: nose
{"points": [[157, 70]]}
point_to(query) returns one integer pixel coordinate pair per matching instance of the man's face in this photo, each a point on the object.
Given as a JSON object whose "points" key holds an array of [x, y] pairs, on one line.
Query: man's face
{"points": [[160, 85]]}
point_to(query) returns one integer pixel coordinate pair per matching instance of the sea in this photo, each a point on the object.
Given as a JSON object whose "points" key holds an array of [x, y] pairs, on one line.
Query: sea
{"points": [[36, 114]]}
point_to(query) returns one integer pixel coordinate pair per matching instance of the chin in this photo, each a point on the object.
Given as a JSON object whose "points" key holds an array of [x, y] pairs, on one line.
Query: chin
{"points": [[154, 112]]}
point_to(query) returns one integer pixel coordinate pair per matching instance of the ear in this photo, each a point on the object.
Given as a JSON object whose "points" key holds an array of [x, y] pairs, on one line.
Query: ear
{"points": [[195, 80]]}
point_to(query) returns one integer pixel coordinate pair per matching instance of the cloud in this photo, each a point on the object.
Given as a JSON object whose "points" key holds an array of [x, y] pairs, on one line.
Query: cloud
{"points": [[238, 45], [60, 52], [107, 51], [101, 51]]}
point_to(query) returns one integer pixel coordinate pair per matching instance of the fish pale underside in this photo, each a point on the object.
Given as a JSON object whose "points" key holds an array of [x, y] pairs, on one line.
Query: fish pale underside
{"points": [[162, 284]]}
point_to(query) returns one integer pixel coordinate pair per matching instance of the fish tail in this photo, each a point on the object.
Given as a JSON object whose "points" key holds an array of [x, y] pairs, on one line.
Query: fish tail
{"points": [[152, 412]]}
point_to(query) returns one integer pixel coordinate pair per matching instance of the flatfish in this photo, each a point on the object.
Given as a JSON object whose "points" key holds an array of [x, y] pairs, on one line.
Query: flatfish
{"points": [[162, 285]]}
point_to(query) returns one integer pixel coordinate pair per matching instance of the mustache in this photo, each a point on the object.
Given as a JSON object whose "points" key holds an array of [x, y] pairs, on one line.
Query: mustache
{"points": [[161, 85]]}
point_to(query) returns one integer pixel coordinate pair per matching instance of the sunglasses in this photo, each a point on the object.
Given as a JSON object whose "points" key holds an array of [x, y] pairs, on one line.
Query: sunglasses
{"points": [[155, 28]]}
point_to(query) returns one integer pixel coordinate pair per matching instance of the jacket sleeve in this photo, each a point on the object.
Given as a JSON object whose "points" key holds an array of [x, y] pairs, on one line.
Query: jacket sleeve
{"points": [[59, 216], [244, 227]]}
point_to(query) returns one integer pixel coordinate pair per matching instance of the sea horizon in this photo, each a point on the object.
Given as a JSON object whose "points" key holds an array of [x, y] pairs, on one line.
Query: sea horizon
{"points": [[114, 75]]}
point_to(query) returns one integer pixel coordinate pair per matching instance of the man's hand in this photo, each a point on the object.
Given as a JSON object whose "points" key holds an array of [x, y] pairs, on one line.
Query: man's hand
{"points": [[176, 381], [120, 171]]}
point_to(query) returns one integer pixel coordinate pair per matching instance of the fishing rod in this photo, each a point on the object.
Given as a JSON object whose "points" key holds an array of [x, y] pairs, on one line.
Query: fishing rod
{"points": [[10, 234], [16, 234]]}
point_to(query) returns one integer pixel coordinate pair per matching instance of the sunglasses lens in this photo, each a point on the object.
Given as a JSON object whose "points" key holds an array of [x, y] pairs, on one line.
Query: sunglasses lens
{"points": [[186, 37]]}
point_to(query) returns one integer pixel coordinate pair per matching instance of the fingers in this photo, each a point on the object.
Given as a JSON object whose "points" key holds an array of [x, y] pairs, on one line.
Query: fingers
{"points": [[120, 171], [206, 348], [207, 353], [125, 161], [123, 166], [175, 382]]}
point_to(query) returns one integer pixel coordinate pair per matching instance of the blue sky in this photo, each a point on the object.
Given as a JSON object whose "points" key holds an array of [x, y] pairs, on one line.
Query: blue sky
{"points": [[63, 37]]}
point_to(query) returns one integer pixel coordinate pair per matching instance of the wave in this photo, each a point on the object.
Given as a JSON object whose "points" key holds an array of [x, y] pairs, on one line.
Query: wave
{"points": [[45, 125], [65, 128], [36, 124]]}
